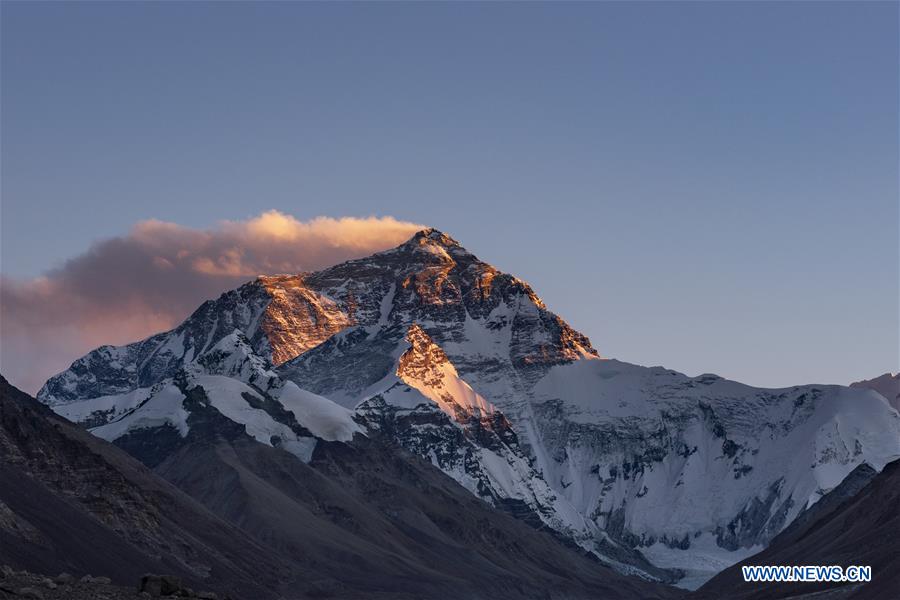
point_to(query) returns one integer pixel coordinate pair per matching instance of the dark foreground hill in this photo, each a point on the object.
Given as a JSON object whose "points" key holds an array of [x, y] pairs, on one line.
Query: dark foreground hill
{"points": [[362, 521], [72, 502], [861, 530]]}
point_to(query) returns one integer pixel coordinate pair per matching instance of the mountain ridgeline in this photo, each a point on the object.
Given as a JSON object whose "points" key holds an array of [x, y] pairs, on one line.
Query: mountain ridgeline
{"points": [[425, 351]]}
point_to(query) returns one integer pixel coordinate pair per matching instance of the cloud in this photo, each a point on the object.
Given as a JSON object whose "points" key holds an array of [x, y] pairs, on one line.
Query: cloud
{"points": [[126, 288]]}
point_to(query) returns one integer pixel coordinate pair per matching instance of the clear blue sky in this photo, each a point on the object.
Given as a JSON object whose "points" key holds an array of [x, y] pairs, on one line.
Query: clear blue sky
{"points": [[707, 186]]}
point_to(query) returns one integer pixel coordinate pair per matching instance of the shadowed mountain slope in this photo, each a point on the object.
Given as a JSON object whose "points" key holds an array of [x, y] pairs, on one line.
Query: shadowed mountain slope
{"points": [[370, 520], [363, 521], [72, 502], [861, 530]]}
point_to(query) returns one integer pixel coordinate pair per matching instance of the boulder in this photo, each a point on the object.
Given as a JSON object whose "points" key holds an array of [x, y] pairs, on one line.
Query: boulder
{"points": [[171, 585], [151, 585], [160, 585]]}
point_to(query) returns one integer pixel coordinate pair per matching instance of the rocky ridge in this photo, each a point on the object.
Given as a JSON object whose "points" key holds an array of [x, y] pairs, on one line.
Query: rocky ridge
{"points": [[888, 385]]}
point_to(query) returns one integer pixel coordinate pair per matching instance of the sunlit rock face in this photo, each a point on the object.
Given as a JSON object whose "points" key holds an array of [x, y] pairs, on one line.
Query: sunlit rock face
{"points": [[425, 367], [298, 318], [428, 347]]}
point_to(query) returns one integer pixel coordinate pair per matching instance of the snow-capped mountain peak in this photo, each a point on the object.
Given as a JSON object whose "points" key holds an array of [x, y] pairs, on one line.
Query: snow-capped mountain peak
{"points": [[435, 350], [431, 238]]}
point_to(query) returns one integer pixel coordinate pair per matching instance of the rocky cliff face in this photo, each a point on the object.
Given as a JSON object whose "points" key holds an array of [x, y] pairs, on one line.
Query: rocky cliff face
{"points": [[466, 367]]}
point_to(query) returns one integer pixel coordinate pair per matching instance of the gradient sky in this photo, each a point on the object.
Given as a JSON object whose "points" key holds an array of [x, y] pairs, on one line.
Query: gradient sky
{"points": [[708, 186]]}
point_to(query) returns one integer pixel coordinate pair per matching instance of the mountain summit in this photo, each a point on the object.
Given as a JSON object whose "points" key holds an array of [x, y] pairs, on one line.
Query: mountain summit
{"points": [[429, 279], [431, 236], [427, 348]]}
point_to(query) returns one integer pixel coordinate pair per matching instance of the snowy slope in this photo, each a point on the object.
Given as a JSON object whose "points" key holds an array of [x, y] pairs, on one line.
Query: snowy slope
{"points": [[322, 417], [664, 460], [466, 366], [230, 378]]}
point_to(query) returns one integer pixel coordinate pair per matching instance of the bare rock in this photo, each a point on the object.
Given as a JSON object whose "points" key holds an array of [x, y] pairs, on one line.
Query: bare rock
{"points": [[151, 585], [161, 585], [171, 585], [30, 592]]}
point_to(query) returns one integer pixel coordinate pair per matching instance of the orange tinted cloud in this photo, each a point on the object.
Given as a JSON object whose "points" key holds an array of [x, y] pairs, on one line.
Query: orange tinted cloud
{"points": [[126, 288]]}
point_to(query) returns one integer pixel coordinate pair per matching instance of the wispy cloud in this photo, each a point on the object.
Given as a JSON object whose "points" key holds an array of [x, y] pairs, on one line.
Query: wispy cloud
{"points": [[126, 288]]}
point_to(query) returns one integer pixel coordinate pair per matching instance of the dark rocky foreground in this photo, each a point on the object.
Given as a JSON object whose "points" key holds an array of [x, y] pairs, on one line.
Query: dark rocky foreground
{"points": [[32, 586], [252, 522], [65, 586], [71, 502]]}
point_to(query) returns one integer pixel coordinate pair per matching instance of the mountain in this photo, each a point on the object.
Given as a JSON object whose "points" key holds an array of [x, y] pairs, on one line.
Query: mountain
{"points": [[888, 385], [366, 521], [430, 349], [854, 529], [72, 502]]}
